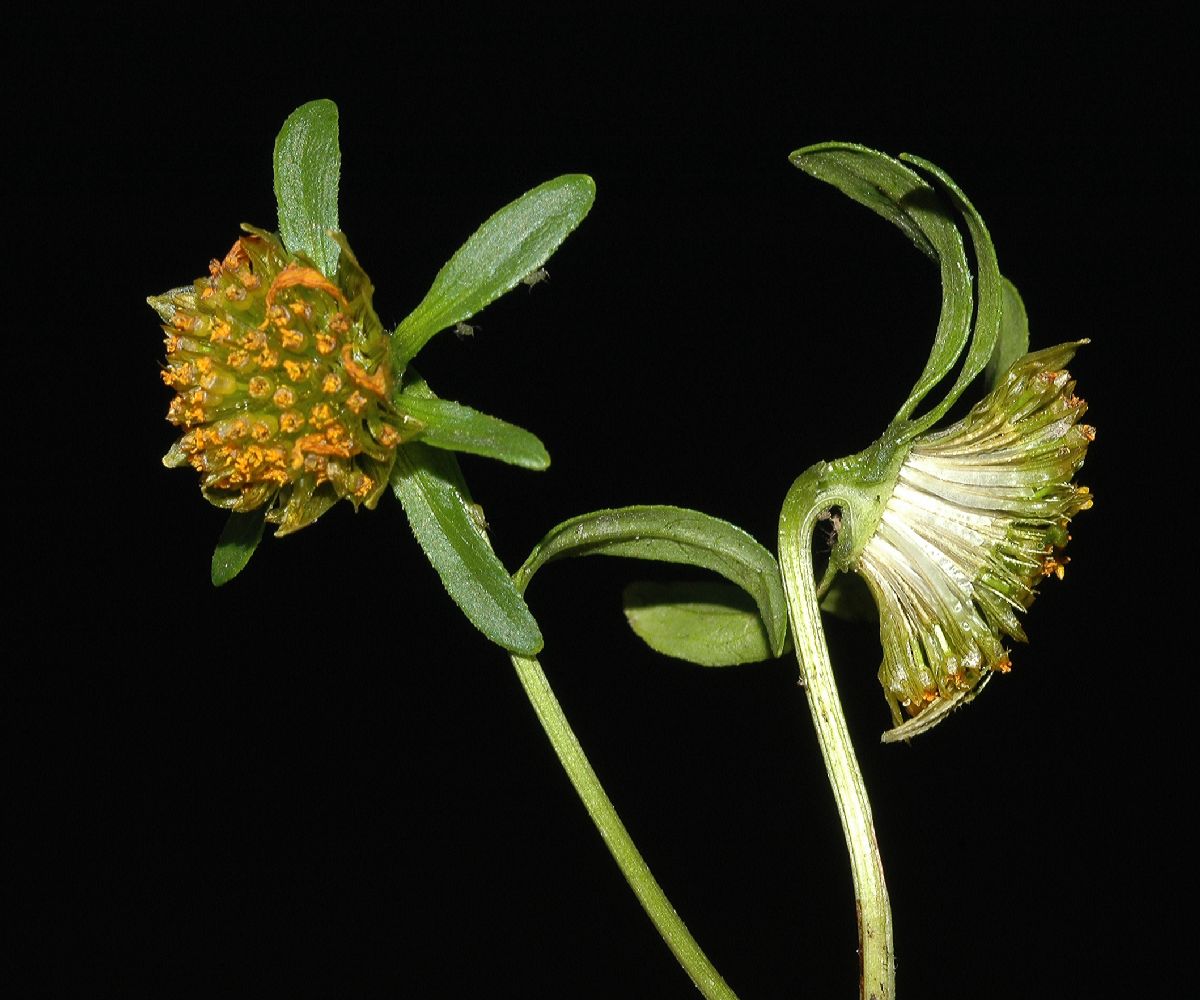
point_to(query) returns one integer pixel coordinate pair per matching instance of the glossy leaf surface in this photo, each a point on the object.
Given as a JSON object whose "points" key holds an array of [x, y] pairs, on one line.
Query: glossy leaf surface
{"points": [[456, 427], [513, 243], [711, 623], [239, 538], [1013, 340], [449, 527], [900, 195], [308, 164]]}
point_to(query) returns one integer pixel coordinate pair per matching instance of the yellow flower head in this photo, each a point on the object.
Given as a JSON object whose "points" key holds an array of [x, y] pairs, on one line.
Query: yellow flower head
{"points": [[282, 383]]}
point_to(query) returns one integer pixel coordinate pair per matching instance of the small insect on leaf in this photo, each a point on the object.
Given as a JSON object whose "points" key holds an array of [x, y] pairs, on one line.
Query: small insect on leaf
{"points": [[535, 277], [465, 329]]}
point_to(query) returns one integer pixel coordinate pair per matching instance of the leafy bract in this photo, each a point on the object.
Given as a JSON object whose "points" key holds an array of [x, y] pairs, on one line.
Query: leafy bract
{"points": [[988, 308], [900, 195], [513, 243], [239, 538], [308, 167], [449, 528], [1013, 340]]}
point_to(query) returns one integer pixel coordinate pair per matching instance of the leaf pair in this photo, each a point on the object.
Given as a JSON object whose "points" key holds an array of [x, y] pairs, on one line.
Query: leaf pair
{"points": [[510, 245], [714, 624], [902, 196]]}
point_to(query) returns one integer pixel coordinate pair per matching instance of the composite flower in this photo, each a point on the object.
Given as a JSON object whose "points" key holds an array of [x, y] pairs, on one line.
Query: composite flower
{"points": [[282, 383], [979, 515]]}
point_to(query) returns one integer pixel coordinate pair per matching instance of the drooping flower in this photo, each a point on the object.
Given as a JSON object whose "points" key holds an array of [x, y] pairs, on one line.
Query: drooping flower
{"points": [[282, 383], [978, 516]]}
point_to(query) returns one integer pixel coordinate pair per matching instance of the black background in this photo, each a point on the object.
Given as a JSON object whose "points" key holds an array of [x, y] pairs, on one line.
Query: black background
{"points": [[320, 780]]}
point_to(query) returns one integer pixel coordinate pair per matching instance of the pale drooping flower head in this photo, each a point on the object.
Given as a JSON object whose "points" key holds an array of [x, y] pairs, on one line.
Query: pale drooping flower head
{"points": [[979, 515]]}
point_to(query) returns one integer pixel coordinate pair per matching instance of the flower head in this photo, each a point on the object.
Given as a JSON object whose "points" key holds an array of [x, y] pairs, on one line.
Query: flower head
{"points": [[282, 383], [978, 516]]}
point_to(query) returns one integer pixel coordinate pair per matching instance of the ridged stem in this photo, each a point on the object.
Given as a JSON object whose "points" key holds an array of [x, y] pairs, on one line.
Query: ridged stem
{"points": [[620, 845], [877, 979]]}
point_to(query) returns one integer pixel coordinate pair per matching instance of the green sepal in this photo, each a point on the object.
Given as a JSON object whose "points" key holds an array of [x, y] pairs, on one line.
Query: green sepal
{"points": [[449, 528], [239, 538], [1013, 340], [712, 623], [892, 190], [308, 166], [675, 535], [456, 427], [513, 243]]}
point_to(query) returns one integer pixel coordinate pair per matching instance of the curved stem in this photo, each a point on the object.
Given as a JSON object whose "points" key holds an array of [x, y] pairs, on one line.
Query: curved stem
{"points": [[616, 837], [796, 523]]}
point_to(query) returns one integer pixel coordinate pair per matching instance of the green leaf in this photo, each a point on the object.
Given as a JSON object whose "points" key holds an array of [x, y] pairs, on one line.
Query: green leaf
{"points": [[675, 535], [459, 428], [308, 165], [901, 196], [1013, 341], [239, 538], [989, 307], [448, 526], [514, 242], [711, 623]]}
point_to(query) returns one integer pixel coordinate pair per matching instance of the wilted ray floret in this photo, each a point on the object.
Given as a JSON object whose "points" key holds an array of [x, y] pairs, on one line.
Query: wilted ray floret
{"points": [[979, 515], [282, 383]]}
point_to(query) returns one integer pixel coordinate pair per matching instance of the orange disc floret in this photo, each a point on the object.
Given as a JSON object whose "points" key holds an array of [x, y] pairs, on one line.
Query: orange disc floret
{"points": [[282, 383]]}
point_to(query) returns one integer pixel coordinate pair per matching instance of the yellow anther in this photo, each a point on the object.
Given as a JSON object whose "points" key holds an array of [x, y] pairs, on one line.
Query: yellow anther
{"points": [[326, 343], [259, 387], [357, 401], [321, 415], [388, 435], [331, 383], [284, 397], [297, 370], [292, 340]]}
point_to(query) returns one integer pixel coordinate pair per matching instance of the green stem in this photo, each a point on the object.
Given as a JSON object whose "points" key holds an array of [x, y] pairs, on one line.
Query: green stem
{"points": [[796, 523], [616, 837]]}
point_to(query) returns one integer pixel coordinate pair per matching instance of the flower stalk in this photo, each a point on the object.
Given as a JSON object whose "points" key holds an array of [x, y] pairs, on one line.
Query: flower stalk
{"points": [[805, 502]]}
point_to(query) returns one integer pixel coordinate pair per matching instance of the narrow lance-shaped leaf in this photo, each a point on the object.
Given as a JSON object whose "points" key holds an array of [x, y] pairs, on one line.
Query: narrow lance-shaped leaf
{"points": [[239, 539], [676, 535], [1014, 335], [514, 242], [456, 427], [897, 193], [448, 526], [308, 166], [988, 312]]}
